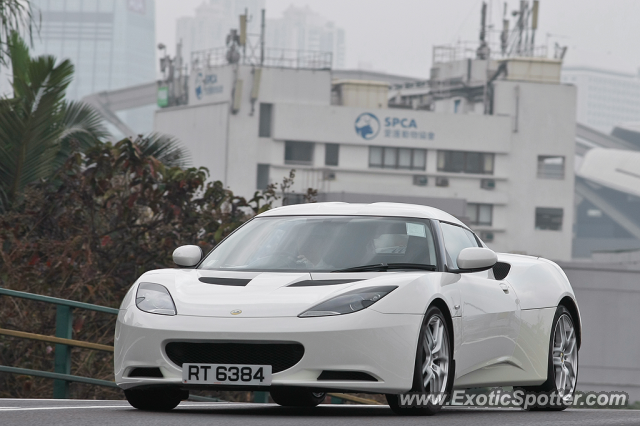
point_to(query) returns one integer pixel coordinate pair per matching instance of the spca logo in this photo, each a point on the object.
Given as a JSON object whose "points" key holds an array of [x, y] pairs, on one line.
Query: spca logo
{"points": [[367, 126], [206, 85]]}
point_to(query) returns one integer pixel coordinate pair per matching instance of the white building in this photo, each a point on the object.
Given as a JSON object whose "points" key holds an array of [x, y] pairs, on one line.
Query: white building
{"points": [[605, 98], [302, 29], [508, 174], [212, 22]]}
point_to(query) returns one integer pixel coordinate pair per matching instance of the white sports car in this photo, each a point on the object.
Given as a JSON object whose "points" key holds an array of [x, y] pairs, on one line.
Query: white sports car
{"points": [[379, 298]]}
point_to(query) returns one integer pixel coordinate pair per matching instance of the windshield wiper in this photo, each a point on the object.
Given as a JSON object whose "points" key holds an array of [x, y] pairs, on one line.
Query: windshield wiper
{"points": [[387, 266]]}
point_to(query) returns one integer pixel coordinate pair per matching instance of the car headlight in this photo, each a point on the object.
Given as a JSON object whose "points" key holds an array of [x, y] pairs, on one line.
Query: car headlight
{"points": [[155, 299], [346, 303]]}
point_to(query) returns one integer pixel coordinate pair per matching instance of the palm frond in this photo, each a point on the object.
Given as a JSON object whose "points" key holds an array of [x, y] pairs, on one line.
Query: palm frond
{"points": [[82, 128], [16, 16], [30, 125], [164, 148]]}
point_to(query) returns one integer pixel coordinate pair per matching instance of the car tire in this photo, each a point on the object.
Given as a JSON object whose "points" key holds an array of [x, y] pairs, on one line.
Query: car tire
{"points": [[296, 397], [565, 355], [155, 399], [436, 334]]}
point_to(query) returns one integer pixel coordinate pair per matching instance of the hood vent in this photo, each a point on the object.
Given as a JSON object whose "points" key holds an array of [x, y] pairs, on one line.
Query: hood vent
{"points": [[313, 283], [238, 282]]}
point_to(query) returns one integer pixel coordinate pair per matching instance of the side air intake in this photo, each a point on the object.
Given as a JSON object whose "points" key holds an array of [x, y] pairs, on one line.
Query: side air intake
{"points": [[146, 372], [501, 270], [352, 376]]}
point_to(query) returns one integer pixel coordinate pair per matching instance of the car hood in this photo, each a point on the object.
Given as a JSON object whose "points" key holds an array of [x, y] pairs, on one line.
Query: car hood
{"points": [[200, 292]]}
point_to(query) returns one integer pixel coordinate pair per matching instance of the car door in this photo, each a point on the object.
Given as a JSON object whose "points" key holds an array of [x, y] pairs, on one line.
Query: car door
{"points": [[490, 314]]}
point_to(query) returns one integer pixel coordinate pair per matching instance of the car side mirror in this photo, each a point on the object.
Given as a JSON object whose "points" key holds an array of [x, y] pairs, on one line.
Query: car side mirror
{"points": [[476, 259], [187, 256]]}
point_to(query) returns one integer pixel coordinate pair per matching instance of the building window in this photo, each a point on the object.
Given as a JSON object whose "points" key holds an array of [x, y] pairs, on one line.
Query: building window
{"points": [[420, 180], [331, 154], [264, 128], [298, 153], [550, 167], [397, 158], [465, 162], [548, 218], [263, 176], [480, 214]]}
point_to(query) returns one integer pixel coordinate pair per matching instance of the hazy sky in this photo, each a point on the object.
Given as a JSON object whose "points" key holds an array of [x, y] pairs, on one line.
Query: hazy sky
{"points": [[397, 36]]}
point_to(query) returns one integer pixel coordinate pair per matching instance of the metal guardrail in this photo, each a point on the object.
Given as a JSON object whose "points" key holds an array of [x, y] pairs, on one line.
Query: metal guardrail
{"points": [[64, 330], [62, 366]]}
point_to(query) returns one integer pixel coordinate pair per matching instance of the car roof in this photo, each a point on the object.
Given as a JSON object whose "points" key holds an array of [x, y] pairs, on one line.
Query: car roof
{"points": [[357, 209]]}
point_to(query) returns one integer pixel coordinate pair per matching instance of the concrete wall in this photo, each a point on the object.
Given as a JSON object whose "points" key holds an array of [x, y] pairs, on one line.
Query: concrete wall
{"points": [[202, 129], [543, 119], [608, 299]]}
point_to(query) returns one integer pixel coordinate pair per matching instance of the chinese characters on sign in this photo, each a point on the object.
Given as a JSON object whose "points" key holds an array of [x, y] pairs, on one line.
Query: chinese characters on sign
{"points": [[406, 134]]}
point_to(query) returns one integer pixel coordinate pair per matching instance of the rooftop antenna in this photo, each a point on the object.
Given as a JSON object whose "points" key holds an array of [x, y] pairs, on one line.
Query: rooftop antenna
{"points": [[483, 49], [243, 32], [504, 37], [534, 24], [523, 6]]}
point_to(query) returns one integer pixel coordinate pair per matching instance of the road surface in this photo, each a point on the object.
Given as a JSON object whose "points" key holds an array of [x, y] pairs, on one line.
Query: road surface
{"points": [[35, 412]]}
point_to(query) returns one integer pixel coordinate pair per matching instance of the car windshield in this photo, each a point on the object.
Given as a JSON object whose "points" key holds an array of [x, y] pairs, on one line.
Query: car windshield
{"points": [[324, 243]]}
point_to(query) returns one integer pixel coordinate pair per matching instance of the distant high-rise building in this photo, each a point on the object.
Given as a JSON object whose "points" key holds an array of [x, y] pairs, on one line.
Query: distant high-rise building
{"points": [[111, 43], [605, 98], [302, 29], [210, 26]]}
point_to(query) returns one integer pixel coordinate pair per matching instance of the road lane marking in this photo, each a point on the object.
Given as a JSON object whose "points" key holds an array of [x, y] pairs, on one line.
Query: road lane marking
{"points": [[60, 408], [78, 407]]}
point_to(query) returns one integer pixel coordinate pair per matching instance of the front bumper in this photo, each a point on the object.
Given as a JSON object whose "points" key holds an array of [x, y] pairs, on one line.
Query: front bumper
{"points": [[382, 345]]}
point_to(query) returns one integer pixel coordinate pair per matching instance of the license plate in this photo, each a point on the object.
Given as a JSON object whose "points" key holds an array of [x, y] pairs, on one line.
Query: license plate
{"points": [[226, 374]]}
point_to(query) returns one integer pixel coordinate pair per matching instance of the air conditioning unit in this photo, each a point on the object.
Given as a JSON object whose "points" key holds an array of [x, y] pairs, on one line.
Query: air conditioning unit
{"points": [[329, 175], [442, 181], [486, 236], [488, 184], [420, 180]]}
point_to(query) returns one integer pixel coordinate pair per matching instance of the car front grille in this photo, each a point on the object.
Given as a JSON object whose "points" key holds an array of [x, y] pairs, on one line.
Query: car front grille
{"points": [[280, 356]]}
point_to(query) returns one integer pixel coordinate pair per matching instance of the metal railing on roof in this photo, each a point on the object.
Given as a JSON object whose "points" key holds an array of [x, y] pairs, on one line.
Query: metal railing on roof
{"points": [[273, 58], [469, 49]]}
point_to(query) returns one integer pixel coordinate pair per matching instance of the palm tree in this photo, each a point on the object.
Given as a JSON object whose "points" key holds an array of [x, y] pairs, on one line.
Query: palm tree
{"points": [[166, 149], [15, 15], [39, 129]]}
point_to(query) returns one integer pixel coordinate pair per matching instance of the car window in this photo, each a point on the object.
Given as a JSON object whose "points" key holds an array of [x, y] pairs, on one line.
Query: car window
{"points": [[456, 238], [324, 243]]}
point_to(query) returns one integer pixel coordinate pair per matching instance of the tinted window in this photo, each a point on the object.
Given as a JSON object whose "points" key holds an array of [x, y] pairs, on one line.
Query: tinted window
{"points": [[456, 238], [397, 158], [323, 243], [264, 128], [465, 162], [549, 218], [263, 176], [331, 154], [298, 152], [550, 167]]}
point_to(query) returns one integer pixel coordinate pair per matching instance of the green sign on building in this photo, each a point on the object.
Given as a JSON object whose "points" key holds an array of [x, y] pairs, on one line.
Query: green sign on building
{"points": [[163, 96]]}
